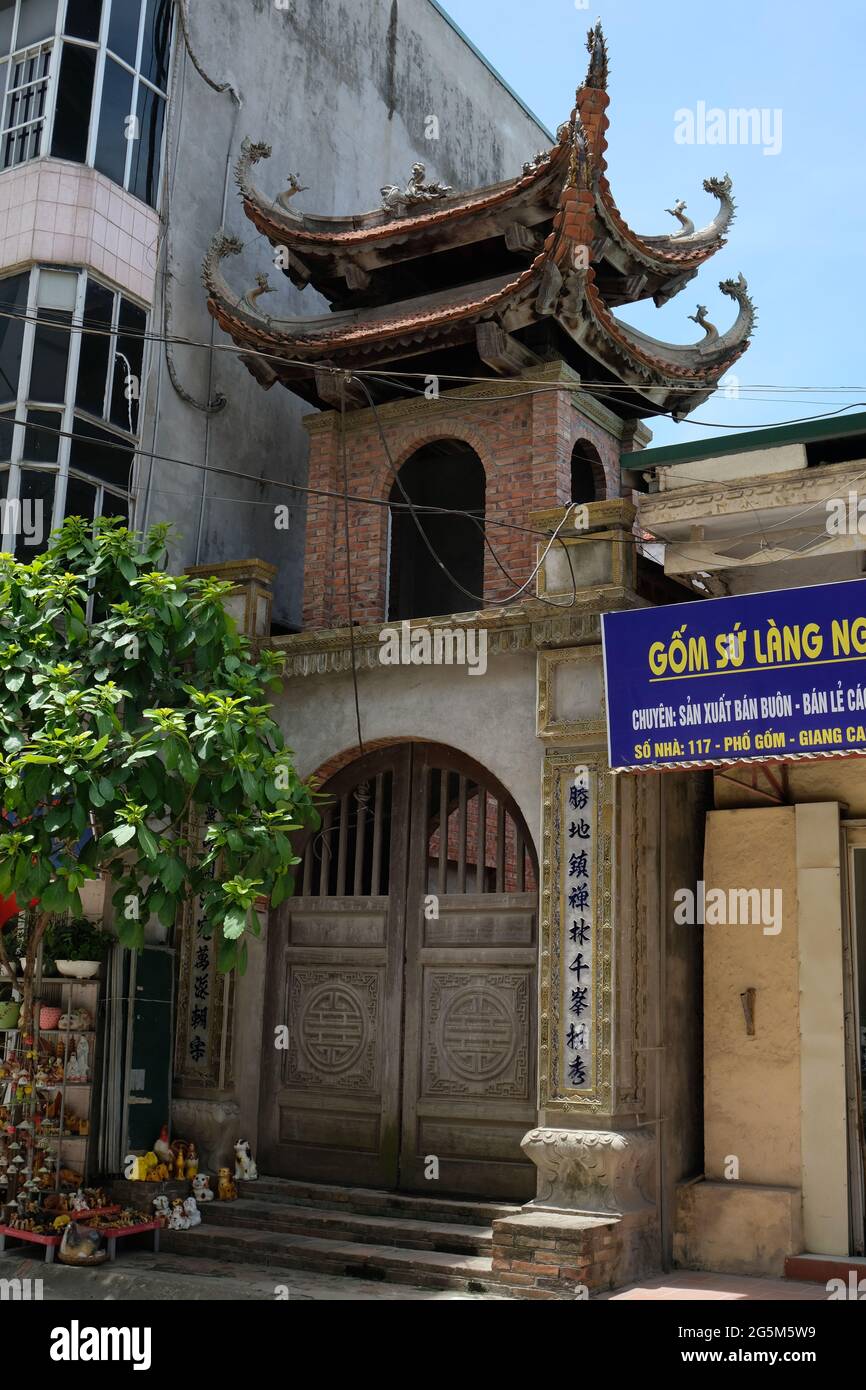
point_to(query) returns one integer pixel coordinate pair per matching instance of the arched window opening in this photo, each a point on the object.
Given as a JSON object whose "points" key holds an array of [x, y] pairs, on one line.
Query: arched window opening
{"points": [[450, 475], [485, 848], [587, 473]]}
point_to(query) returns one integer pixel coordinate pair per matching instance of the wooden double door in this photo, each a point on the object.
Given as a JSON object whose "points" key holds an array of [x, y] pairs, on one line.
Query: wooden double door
{"points": [[400, 1018]]}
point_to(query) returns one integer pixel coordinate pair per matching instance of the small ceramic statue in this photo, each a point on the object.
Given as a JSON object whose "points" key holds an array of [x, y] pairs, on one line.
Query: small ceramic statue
{"points": [[178, 1220], [79, 1202], [245, 1165], [191, 1162], [161, 1210], [193, 1214], [201, 1188], [226, 1189], [78, 1065]]}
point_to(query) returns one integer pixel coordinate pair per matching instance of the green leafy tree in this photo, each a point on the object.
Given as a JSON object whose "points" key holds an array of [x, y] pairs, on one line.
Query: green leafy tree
{"points": [[115, 731]]}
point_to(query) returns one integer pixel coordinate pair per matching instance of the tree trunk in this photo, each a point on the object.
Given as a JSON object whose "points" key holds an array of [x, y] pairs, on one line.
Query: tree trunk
{"points": [[30, 959]]}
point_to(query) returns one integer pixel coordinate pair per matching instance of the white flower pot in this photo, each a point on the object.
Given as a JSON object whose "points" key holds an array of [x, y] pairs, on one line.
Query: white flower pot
{"points": [[78, 969]]}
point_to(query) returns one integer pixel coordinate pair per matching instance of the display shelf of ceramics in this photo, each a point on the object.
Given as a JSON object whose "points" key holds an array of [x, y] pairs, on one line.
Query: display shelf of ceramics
{"points": [[67, 1149]]}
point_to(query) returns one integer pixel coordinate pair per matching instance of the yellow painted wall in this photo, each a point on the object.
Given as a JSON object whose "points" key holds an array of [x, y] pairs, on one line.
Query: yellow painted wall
{"points": [[827, 779], [752, 1084]]}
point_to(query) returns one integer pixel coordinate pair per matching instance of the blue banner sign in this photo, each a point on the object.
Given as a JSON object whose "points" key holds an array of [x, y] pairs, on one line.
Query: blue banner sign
{"points": [[758, 677]]}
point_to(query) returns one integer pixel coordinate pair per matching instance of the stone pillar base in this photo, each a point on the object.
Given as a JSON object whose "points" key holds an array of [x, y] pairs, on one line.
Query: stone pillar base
{"points": [[592, 1171], [592, 1226]]}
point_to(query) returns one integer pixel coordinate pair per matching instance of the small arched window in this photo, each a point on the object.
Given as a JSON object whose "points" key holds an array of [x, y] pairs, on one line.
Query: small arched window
{"points": [[447, 474], [588, 482]]}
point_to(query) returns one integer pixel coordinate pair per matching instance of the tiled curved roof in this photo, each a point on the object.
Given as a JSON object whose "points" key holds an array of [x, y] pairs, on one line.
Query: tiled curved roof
{"points": [[560, 282]]}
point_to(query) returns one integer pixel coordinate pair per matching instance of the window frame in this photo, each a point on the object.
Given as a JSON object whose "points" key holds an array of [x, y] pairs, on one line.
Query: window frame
{"points": [[67, 409], [104, 54]]}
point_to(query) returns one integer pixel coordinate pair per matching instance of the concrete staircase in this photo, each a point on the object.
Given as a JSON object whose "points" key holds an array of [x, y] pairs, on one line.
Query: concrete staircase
{"points": [[426, 1242]]}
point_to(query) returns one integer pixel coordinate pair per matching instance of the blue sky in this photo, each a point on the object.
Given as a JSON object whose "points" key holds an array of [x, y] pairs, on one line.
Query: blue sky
{"points": [[800, 230]]}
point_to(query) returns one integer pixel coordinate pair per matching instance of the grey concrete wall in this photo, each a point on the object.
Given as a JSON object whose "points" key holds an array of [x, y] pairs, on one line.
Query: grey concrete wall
{"points": [[341, 89]]}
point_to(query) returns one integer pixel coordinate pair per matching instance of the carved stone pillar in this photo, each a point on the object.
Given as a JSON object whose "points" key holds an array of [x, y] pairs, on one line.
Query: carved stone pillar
{"points": [[594, 1221]]}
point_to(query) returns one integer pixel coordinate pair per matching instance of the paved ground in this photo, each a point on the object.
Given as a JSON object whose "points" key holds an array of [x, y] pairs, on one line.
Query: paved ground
{"points": [[703, 1287], [165, 1278]]}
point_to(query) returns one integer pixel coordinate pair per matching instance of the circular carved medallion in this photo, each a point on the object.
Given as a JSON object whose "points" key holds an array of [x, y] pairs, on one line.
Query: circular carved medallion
{"points": [[478, 1033], [333, 1027]]}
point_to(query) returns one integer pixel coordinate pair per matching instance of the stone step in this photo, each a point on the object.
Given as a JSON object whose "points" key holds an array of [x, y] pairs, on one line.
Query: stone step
{"points": [[283, 1250], [365, 1201], [450, 1237]]}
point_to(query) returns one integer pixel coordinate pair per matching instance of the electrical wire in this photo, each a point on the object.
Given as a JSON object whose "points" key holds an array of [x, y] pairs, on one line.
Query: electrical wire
{"points": [[362, 500], [600, 389], [349, 589], [452, 579]]}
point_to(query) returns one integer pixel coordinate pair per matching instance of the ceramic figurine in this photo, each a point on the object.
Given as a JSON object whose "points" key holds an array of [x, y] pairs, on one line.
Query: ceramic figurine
{"points": [[245, 1166], [179, 1165], [201, 1188], [162, 1148], [191, 1162], [178, 1220], [161, 1210], [78, 1063], [226, 1189], [190, 1206]]}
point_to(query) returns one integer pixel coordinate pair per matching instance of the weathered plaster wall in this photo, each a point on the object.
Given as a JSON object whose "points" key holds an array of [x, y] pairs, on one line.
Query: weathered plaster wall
{"points": [[489, 717], [341, 89]]}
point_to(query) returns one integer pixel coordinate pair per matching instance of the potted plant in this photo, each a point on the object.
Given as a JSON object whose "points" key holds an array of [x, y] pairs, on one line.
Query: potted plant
{"points": [[77, 947], [10, 1008]]}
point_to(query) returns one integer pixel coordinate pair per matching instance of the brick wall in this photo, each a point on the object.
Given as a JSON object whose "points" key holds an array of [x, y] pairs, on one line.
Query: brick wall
{"points": [[546, 1255], [525, 446]]}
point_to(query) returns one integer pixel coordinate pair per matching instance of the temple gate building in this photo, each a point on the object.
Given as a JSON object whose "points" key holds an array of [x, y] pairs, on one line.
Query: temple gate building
{"points": [[490, 1015]]}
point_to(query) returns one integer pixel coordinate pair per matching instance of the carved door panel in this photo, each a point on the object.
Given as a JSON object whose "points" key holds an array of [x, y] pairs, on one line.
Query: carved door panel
{"points": [[331, 1094], [470, 987]]}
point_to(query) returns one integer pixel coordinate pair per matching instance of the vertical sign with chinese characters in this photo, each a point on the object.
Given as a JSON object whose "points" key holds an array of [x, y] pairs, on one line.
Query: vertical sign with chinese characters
{"points": [[577, 1011], [203, 1043]]}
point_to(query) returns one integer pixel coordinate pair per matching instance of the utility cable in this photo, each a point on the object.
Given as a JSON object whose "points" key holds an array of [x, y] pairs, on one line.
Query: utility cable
{"points": [[599, 389], [452, 579], [347, 540]]}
